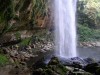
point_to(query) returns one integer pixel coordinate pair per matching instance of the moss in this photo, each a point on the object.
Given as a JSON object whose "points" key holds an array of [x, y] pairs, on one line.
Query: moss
{"points": [[57, 67], [54, 67], [54, 61]]}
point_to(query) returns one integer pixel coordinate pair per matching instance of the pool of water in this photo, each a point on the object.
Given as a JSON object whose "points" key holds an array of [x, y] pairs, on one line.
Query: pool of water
{"points": [[89, 52]]}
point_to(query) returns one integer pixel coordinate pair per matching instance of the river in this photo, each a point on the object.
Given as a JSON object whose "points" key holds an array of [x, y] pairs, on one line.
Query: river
{"points": [[92, 52]]}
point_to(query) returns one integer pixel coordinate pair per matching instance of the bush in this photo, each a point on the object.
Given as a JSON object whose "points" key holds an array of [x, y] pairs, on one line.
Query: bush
{"points": [[87, 34], [84, 33], [96, 35]]}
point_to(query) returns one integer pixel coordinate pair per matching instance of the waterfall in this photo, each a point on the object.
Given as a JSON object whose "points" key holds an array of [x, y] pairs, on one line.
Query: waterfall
{"points": [[65, 28]]}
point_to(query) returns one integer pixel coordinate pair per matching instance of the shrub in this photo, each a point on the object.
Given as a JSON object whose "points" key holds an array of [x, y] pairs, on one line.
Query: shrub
{"points": [[87, 34], [96, 35], [84, 33]]}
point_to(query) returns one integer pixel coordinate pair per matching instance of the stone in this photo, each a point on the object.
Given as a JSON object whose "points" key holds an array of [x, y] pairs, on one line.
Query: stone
{"points": [[91, 67], [76, 62], [22, 57], [54, 61], [98, 71], [98, 44], [89, 61], [54, 67], [81, 73], [5, 50], [25, 54], [13, 53], [11, 60], [70, 68], [38, 71]]}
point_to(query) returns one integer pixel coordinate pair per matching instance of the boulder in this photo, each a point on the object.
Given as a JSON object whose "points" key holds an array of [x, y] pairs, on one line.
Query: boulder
{"points": [[76, 62], [54, 67], [91, 67], [54, 61], [98, 71], [98, 44]]}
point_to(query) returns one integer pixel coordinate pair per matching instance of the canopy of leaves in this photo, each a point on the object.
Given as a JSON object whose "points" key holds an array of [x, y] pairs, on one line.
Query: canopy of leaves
{"points": [[90, 8]]}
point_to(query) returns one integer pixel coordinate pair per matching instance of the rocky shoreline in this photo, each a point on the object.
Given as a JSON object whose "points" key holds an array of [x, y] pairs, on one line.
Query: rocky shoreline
{"points": [[89, 44], [20, 56], [73, 66]]}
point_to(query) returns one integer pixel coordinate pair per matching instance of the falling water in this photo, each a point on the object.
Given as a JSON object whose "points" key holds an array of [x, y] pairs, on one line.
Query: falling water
{"points": [[65, 28]]}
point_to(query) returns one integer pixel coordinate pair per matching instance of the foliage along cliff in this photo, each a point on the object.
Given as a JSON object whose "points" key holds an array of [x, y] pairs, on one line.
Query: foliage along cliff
{"points": [[23, 14], [18, 17]]}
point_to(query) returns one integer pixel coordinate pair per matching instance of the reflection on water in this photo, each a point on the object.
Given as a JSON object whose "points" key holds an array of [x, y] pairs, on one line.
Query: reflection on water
{"points": [[89, 52]]}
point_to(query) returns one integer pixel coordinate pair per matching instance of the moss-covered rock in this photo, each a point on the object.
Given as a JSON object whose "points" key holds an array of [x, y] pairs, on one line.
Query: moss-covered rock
{"points": [[54, 67], [54, 61], [98, 71], [91, 67]]}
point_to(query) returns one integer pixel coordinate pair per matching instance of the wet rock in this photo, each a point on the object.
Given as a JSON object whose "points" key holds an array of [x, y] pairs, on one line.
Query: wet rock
{"points": [[70, 68], [54, 61], [54, 67], [77, 65], [91, 67], [98, 71], [78, 71], [89, 60], [74, 62], [38, 72], [81, 73]]}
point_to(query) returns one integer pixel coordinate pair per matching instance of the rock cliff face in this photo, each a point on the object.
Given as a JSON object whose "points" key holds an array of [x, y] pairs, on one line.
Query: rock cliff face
{"points": [[16, 15], [24, 13]]}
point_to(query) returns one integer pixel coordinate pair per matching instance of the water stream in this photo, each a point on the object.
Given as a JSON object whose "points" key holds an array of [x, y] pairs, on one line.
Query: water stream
{"points": [[65, 28]]}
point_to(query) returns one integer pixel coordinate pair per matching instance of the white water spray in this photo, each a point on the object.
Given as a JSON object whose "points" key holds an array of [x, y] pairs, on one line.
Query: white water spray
{"points": [[65, 28]]}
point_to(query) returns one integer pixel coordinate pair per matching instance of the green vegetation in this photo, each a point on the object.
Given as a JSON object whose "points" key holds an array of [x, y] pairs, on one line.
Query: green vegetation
{"points": [[25, 42], [88, 34], [3, 60], [21, 14], [89, 20], [27, 14]]}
